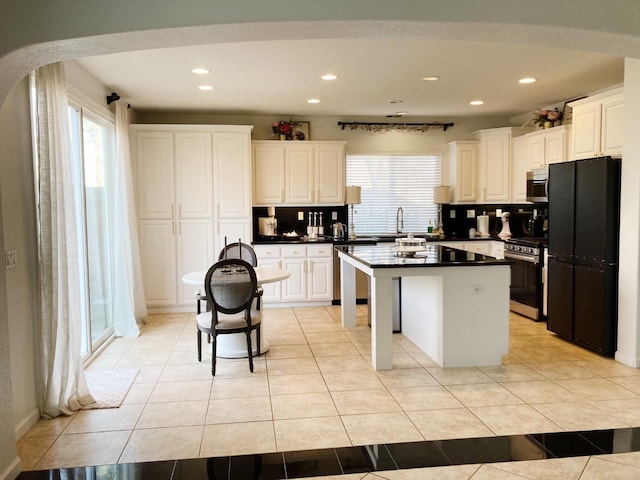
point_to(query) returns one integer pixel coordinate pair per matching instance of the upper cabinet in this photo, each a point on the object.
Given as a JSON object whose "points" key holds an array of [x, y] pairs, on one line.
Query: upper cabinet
{"points": [[495, 163], [463, 171], [298, 173], [536, 150], [598, 125]]}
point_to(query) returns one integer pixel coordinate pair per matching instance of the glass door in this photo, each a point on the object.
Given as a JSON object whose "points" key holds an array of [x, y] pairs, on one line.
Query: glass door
{"points": [[93, 145]]}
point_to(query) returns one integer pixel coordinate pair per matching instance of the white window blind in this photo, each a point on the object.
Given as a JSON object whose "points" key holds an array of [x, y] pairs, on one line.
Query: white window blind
{"points": [[392, 181]]}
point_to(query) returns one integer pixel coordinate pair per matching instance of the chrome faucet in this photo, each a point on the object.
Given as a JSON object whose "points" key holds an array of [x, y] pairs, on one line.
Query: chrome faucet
{"points": [[399, 220]]}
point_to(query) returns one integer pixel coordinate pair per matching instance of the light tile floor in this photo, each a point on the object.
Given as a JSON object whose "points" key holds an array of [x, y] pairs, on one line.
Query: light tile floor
{"points": [[315, 388]]}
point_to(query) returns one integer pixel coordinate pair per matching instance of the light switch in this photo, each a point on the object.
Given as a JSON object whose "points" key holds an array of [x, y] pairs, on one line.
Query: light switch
{"points": [[10, 258], [452, 214], [300, 215], [334, 215], [471, 213]]}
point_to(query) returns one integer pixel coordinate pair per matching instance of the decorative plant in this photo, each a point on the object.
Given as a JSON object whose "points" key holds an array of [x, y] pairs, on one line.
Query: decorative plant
{"points": [[287, 129], [546, 115], [283, 128]]}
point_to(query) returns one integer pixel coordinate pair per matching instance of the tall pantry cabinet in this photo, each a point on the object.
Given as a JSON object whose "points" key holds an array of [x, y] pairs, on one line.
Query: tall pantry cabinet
{"points": [[193, 188]]}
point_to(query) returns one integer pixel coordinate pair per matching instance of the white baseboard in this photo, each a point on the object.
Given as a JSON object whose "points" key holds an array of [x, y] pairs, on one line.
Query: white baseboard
{"points": [[24, 425], [12, 471], [629, 360]]}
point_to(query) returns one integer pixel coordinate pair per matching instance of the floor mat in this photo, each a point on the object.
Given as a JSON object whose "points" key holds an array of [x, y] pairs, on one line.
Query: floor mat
{"points": [[109, 388]]}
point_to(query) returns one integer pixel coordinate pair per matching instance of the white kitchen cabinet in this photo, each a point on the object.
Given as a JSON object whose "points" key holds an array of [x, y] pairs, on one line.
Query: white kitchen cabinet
{"points": [[598, 125], [168, 250], [320, 272], [463, 171], [269, 256], [298, 173], [232, 173], [299, 183], [536, 150], [194, 251], [330, 172], [521, 162], [158, 257], [193, 187], [311, 272], [495, 163], [155, 185], [268, 173]]}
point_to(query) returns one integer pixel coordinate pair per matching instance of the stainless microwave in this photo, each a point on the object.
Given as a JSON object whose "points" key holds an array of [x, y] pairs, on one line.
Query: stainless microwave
{"points": [[537, 185]]}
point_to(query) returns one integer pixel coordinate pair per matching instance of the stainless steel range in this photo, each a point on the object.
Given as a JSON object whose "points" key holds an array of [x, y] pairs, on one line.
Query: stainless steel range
{"points": [[527, 276]]}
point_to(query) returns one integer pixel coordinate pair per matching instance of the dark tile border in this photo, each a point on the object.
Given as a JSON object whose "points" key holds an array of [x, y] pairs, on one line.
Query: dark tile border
{"points": [[366, 458]]}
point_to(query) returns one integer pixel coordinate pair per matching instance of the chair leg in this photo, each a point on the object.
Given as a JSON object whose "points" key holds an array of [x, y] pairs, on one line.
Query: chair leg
{"points": [[199, 345], [214, 344], [258, 340], [249, 350]]}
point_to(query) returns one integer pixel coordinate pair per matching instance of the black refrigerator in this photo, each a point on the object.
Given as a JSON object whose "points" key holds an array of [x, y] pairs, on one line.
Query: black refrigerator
{"points": [[584, 225]]}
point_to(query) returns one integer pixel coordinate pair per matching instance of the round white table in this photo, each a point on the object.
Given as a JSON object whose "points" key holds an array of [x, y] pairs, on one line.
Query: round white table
{"points": [[234, 345]]}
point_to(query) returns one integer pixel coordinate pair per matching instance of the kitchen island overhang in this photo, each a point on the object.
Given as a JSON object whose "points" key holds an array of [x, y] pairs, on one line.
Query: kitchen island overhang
{"points": [[455, 304]]}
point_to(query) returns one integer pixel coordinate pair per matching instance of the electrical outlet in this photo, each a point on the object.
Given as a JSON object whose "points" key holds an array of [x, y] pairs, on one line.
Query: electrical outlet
{"points": [[471, 214], [334, 215], [10, 258], [300, 215], [498, 212], [452, 214]]}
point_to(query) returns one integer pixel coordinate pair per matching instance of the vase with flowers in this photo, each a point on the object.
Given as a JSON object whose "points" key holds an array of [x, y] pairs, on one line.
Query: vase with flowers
{"points": [[283, 129], [547, 118]]}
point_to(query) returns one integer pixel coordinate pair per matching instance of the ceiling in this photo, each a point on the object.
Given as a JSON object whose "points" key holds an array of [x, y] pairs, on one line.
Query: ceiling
{"points": [[277, 77]]}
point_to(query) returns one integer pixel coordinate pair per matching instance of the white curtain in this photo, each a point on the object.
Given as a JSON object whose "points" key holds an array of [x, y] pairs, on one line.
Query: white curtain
{"points": [[129, 306], [62, 382]]}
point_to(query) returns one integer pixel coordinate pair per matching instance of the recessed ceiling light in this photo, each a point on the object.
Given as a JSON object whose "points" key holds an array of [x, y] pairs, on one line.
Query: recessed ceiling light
{"points": [[431, 78], [200, 71], [527, 80], [395, 101], [329, 76], [205, 87], [402, 114], [313, 100], [476, 102]]}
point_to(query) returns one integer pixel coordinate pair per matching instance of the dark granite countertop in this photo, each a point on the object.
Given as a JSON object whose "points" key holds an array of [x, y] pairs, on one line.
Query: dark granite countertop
{"points": [[361, 240], [384, 256]]}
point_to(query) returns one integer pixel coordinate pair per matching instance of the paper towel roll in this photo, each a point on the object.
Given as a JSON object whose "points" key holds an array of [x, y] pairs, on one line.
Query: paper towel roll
{"points": [[483, 225]]}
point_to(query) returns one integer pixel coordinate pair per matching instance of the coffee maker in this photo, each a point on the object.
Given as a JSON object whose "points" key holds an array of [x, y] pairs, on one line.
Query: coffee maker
{"points": [[268, 226]]}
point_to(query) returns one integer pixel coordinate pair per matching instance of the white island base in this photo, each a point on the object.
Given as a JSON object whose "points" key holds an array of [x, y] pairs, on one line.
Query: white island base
{"points": [[458, 315]]}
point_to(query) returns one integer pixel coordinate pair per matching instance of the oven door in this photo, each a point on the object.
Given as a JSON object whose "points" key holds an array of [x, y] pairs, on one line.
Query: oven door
{"points": [[526, 285]]}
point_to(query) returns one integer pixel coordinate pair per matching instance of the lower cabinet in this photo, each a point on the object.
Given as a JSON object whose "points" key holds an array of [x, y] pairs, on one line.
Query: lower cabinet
{"points": [[311, 269], [168, 250]]}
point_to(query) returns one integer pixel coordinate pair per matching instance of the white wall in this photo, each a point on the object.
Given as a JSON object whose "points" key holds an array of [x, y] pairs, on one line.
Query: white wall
{"points": [[629, 263], [18, 396], [18, 206]]}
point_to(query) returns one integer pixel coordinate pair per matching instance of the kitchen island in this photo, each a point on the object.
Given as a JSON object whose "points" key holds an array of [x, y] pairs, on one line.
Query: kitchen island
{"points": [[455, 304]]}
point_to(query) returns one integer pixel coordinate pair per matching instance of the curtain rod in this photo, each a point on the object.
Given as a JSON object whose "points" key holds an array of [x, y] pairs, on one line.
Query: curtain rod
{"points": [[114, 97], [378, 126]]}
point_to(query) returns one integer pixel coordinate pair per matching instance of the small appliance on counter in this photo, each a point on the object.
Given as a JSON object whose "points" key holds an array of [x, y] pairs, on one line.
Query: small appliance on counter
{"points": [[483, 225], [409, 245], [268, 226], [338, 231], [506, 230]]}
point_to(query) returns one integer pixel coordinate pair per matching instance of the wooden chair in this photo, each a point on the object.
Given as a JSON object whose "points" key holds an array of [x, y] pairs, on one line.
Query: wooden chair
{"points": [[232, 298]]}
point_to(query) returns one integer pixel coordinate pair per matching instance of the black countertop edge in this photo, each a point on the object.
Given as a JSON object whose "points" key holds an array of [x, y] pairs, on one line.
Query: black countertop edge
{"points": [[366, 240], [385, 257]]}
